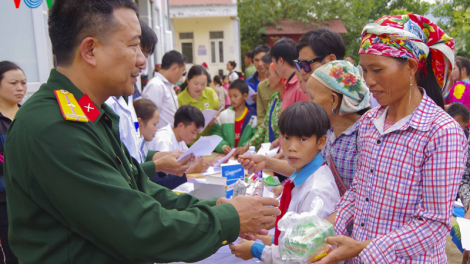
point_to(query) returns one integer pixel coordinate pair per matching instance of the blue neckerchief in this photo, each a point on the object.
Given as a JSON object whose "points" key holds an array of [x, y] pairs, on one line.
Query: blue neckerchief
{"points": [[299, 177]]}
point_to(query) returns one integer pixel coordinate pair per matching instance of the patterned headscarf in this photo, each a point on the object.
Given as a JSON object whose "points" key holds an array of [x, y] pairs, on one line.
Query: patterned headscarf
{"points": [[342, 77], [411, 36]]}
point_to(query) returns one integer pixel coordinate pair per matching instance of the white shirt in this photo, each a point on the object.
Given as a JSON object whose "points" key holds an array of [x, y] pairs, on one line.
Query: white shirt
{"points": [[160, 91], [319, 184], [128, 133], [233, 76], [165, 140]]}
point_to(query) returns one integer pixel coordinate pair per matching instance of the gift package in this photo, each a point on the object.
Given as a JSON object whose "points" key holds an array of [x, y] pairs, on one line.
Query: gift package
{"points": [[304, 235]]}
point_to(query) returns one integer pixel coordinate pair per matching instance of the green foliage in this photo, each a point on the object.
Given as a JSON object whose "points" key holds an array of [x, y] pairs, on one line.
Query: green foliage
{"points": [[255, 15]]}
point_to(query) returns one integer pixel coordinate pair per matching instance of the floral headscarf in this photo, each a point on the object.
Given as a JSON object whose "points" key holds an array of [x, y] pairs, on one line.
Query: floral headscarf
{"points": [[342, 77], [411, 36]]}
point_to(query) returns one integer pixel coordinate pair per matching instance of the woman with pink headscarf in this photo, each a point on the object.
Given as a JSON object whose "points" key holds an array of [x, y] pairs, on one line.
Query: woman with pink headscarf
{"points": [[411, 153]]}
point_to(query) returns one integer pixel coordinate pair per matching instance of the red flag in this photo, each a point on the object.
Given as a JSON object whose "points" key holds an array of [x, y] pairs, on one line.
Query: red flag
{"points": [[17, 3], [89, 108]]}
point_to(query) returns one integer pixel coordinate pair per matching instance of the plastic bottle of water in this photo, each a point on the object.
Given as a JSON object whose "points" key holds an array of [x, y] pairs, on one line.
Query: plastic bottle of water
{"points": [[251, 151]]}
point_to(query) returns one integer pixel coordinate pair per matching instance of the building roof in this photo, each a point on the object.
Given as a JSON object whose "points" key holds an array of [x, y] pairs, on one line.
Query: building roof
{"points": [[199, 2], [289, 27]]}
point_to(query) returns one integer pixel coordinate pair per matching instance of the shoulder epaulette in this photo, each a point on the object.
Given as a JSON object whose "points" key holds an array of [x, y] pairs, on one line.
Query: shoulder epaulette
{"points": [[69, 106]]}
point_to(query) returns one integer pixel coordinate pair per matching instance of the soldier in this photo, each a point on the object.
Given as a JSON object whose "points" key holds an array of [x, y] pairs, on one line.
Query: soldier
{"points": [[74, 193]]}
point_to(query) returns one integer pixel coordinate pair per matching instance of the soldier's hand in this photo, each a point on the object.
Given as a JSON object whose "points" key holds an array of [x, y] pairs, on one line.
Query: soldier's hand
{"points": [[253, 163], [169, 164], [158, 155], [255, 213]]}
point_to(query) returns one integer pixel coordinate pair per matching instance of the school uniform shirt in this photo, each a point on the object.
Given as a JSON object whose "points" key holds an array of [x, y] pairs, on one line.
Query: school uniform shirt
{"points": [[165, 140], [128, 125], [406, 182], [207, 100], [76, 195], [293, 93], [160, 91], [314, 180]]}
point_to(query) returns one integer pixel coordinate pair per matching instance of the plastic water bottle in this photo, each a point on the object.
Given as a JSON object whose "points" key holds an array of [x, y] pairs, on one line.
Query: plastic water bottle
{"points": [[251, 150]]}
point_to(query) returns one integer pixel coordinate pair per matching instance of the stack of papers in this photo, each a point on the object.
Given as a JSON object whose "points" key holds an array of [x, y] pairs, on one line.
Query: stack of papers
{"points": [[209, 115], [203, 147]]}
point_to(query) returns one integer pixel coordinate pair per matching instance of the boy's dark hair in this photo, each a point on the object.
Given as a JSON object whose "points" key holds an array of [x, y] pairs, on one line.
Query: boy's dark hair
{"points": [[349, 56], [261, 48], [233, 63], [70, 21], [462, 62], [7, 66], [250, 54], [187, 114], [240, 85], [323, 42], [456, 109], [217, 80], [285, 48], [144, 109], [172, 57], [148, 39], [267, 58], [304, 119]]}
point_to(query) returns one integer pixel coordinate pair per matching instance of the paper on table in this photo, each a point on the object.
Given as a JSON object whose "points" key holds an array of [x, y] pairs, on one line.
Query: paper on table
{"points": [[464, 225], [224, 159], [251, 92], [212, 170], [209, 115], [203, 147]]}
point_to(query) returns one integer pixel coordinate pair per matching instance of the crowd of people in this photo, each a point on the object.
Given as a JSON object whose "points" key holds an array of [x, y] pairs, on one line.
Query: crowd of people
{"points": [[89, 161]]}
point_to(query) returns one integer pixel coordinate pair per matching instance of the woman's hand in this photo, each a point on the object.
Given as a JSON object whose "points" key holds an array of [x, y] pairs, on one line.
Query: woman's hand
{"points": [[240, 151], [243, 249], [275, 144], [253, 163], [347, 248]]}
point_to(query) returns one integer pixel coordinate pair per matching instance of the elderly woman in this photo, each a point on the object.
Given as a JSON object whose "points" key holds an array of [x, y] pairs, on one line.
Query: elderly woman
{"points": [[345, 97], [412, 153]]}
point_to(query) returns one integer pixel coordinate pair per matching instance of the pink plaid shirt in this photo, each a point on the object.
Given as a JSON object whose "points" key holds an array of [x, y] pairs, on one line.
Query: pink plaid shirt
{"points": [[402, 193]]}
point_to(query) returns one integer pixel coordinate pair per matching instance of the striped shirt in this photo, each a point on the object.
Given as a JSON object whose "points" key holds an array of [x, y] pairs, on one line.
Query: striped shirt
{"points": [[403, 191]]}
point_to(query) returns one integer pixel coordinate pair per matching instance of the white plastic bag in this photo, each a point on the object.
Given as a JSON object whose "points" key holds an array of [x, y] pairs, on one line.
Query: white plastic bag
{"points": [[304, 235]]}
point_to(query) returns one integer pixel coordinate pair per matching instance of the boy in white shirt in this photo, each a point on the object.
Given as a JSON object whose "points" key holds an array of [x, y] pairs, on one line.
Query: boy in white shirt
{"points": [[188, 122], [303, 127]]}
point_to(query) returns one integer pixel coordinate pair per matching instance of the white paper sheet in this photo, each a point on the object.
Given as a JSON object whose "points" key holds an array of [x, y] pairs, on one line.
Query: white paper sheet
{"points": [[264, 150], [251, 92], [212, 170], [209, 115], [203, 147], [464, 225], [224, 159]]}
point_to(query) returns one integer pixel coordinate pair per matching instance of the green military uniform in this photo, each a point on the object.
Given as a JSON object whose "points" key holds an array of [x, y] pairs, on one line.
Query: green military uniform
{"points": [[262, 100], [75, 195]]}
